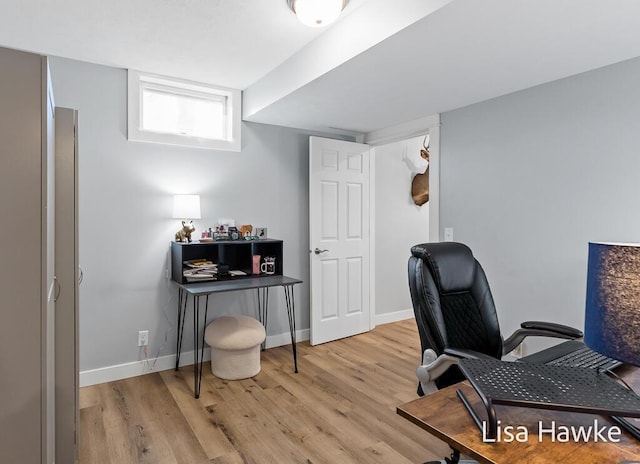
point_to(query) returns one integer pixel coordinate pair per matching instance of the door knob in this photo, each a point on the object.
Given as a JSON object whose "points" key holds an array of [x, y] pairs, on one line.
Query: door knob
{"points": [[318, 251], [57, 289]]}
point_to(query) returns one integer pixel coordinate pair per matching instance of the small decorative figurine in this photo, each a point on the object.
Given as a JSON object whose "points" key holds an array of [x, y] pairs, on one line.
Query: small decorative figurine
{"points": [[245, 230], [233, 233], [184, 234]]}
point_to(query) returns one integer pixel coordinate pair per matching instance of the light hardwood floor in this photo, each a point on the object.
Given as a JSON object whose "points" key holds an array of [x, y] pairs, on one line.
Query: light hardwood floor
{"points": [[340, 408]]}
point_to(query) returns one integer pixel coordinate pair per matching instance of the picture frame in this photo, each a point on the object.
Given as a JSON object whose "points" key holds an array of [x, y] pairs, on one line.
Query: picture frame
{"points": [[223, 230], [261, 232], [221, 233]]}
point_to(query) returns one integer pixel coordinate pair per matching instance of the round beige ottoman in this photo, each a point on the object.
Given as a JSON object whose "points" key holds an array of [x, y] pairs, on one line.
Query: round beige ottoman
{"points": [[235, 346]]}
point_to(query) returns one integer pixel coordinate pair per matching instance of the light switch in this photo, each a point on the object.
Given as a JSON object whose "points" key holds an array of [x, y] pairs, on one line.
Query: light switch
{"points": [[448, 234]]}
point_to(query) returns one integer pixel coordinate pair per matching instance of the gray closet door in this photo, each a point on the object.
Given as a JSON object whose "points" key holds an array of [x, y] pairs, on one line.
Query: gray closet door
{"points": [[66, 270], [26, 413]]}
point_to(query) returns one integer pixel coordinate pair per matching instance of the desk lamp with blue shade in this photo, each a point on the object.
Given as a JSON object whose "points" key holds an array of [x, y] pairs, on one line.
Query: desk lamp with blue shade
{"points": [[612, 319]]}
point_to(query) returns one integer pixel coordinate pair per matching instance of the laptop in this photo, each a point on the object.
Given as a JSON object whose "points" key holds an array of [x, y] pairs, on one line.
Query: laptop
{"points": [[573, 353]]}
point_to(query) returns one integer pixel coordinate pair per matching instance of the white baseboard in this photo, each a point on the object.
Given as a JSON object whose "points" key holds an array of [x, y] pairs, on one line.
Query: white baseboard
{"points": [[285, 338], [394, 316], [163, 363], [136, 368]]}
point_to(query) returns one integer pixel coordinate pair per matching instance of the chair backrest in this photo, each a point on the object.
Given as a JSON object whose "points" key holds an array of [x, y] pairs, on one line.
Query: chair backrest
{"points": [[452, 302]]}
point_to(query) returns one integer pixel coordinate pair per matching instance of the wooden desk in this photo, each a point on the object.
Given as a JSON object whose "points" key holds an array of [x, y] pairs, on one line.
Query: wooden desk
{"points": [[443, 415], [200, 289]]}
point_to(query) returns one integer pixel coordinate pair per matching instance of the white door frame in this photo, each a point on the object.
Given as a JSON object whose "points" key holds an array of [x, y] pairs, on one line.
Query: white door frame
{"points": [[427, 125]]}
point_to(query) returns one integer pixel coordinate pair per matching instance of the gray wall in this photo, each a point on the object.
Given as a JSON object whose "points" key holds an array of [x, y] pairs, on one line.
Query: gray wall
{"points": [[529, 178], [125, 208], [399, 224]]}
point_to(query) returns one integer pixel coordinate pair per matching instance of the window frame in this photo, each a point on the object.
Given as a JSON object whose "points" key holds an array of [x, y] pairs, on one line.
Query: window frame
{"points": [[137, 81]]}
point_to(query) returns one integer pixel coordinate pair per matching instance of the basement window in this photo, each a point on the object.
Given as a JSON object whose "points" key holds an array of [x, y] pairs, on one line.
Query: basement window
{"points": [[179, 112]]}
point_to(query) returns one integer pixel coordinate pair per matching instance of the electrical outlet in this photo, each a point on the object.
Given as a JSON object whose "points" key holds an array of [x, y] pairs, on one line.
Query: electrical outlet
{"points": [[143, 337]]}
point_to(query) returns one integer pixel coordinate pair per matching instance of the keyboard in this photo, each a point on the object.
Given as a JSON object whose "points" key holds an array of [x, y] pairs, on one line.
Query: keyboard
{"points": [[587, 358]]}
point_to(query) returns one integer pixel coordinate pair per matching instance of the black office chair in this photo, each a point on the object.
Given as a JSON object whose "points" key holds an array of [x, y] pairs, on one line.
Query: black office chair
{"points": [[455, 312], [456, 315]]}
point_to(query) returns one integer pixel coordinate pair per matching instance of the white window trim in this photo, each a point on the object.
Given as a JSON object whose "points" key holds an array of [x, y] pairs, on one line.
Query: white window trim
{"points": [[137, 79]]}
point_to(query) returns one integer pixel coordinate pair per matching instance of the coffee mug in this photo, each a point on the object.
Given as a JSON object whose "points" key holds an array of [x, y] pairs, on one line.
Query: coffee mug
{"points": [[269, 266]]}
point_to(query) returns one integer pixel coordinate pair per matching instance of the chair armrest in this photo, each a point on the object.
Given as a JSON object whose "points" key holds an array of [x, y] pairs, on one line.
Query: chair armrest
{"points": [[539, 329], [434, 366], [552, 326]]}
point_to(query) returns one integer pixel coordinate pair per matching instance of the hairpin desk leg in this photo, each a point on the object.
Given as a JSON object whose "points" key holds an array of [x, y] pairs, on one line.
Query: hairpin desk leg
{"points": [[182, 311], [198, 343], [263, 309], [196, 320], [201, 360], [291, 313]]}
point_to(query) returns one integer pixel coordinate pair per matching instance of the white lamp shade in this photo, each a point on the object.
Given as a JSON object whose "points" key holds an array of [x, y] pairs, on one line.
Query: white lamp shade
{"points": [[186, 206], [317, 13]]}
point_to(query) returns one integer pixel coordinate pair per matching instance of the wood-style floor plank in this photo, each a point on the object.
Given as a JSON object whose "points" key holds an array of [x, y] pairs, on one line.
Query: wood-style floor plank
{"points": [[340, 408], [212, 439], [93, 447]]}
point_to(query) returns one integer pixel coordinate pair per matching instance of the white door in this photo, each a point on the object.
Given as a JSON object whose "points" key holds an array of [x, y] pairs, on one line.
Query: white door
{"points": [[339, 239]]}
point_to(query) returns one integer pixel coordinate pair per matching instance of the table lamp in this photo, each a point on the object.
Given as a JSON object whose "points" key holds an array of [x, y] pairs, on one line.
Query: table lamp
{"points": [[612, 319], [186, 207]]}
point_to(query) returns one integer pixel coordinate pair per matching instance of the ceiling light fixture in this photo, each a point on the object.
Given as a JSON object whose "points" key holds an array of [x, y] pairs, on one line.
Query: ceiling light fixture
{"points": [[317, 13]]}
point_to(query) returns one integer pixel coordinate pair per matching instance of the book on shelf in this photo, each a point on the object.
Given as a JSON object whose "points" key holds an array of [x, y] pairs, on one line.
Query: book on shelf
{"points": [[199, 270]]}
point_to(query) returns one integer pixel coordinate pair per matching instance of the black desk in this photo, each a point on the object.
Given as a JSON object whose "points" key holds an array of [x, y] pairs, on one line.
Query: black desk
{"points": [[200, 289]]}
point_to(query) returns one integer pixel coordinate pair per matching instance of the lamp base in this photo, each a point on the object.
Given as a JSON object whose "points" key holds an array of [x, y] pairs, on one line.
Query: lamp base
{"points": [[184, 234]]}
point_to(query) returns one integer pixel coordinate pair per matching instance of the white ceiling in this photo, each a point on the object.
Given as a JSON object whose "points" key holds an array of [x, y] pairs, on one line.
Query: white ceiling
{"points": [[434, 59], [230, 43]]}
